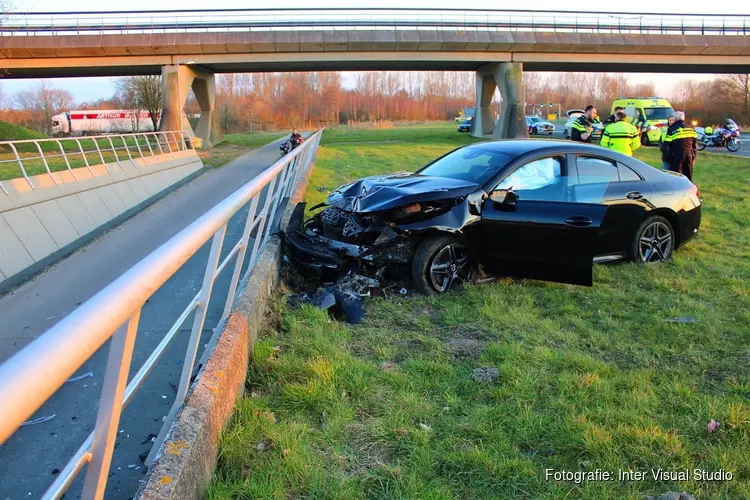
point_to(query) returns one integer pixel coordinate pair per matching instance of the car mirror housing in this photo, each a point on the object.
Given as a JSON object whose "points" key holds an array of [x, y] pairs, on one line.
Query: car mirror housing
{"points": [[504, 197]]}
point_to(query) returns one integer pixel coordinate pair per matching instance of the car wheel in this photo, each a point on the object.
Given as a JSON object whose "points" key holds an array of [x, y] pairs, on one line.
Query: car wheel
{"points": [[653, 242], [535, 131], [441, 262], [566, 134], [645, 140]]}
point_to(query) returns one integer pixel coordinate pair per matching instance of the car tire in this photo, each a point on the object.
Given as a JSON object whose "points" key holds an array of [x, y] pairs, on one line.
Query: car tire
{"points": [[645, 140], [535, 131], [653, 241], [440, 263], [566, 134]]}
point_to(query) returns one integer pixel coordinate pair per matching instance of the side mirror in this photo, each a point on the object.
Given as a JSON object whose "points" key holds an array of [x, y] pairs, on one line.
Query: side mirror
{"points": [[504, 197]]}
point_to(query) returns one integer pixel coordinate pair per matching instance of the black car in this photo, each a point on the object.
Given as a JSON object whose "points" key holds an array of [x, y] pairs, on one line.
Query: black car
{"points": [[539, 209]]}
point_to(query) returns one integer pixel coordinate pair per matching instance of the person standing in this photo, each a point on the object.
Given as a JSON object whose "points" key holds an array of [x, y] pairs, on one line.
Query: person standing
{"points": [[621, 136], [682, 146], [583, 126], [663, 145], [613, 117]]}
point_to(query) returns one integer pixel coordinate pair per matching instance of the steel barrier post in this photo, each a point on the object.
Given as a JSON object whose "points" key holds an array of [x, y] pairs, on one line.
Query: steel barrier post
{"points": [[44, 160], [64, 155], [198, 320], [110, 408]]}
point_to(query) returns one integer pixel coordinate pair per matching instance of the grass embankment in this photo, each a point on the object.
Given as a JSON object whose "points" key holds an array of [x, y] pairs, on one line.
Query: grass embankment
{"points": [[588, 378], [235, 145], [11, 132]]}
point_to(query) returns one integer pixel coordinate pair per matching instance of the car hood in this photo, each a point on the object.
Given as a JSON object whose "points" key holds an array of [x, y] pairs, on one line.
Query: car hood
{"points": [[373, 194]]}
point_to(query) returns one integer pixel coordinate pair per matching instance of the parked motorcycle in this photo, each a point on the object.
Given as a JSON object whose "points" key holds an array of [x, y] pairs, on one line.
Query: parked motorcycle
{"points": [[725, 137]]}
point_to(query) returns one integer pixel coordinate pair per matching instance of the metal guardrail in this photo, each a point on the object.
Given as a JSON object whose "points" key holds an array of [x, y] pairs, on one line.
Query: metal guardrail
{"points": [[30, 377], [133, 146], [217, 20]]}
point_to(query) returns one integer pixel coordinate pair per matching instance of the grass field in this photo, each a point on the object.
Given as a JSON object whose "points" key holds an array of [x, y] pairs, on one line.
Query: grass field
{"points": [[588, 378]]}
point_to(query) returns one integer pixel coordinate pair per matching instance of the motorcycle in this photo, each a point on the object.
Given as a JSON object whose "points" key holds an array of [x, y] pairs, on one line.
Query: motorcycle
{"points": [[727, 137], [288, 145]]}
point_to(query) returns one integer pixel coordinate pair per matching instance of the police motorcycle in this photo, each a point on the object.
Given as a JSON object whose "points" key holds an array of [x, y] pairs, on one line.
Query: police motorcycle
{"points": [[727, 136]]}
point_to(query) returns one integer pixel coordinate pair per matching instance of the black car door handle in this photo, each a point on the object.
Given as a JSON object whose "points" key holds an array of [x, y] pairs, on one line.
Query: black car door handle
{"points": [[634, 195], [578, 220]]}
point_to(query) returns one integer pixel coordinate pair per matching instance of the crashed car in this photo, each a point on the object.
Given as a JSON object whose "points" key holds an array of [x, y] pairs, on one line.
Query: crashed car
{"points": [[538, 209]]}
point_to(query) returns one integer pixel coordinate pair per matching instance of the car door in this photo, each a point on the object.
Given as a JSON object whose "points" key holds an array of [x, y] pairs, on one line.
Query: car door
{"points": [[545, 235], [621, 189]]}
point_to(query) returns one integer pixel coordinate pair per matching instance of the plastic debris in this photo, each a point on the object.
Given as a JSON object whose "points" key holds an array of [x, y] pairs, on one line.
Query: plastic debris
{"points": [[713, 425], [344, 296], [80, 377], [683, 320], [39, 420], [404, 292]]}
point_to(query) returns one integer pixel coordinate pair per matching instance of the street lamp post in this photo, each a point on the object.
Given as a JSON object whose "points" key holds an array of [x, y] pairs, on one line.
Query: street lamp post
{"points": [[181, 108]]}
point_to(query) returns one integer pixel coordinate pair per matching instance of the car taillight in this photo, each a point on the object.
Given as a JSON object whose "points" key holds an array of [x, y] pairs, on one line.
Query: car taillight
{"points": [[694, 189]]}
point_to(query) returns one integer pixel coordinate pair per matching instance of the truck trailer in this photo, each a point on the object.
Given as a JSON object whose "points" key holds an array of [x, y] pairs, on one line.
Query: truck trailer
{"points": [[101, 121]]}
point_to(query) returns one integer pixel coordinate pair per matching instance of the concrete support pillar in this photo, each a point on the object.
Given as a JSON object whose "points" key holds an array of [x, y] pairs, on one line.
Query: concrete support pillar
{"points": [[483, 121], [178, 80], [508, 76]]}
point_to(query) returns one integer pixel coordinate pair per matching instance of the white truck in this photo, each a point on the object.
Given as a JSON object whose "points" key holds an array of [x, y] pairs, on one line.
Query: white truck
{"points": [[101, 121]]}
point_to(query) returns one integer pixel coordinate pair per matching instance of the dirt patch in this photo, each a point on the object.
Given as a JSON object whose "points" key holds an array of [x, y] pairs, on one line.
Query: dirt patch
{"points": [[388, 366], [222, 154], [464, 347]]}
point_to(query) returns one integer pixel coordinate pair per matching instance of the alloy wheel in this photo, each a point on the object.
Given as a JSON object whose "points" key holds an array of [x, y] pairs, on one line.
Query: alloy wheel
{"points": [[450, 265], [655, 243]]}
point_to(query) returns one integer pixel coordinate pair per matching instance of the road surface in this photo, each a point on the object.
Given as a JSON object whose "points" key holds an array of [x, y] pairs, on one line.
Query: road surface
{"points": [[31, 458]]}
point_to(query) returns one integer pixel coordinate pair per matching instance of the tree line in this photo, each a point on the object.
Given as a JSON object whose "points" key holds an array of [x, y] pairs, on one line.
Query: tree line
{"points": [[254, 101]]}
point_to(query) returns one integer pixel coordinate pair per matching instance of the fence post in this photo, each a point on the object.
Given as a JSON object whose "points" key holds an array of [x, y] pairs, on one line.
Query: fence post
{"points": [[64, 155], [110, 408], [44, 160], [114, 151], [20, 164], [195, 335]]}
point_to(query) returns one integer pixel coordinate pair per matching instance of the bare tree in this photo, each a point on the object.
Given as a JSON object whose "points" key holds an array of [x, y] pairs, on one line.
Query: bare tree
{"points": [[44, 101], [144, 93], [736, 91]]}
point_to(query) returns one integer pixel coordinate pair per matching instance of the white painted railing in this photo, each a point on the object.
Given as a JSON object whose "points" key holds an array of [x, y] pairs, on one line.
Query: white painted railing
{"points": [[217, 20], [31, 377], [74, 153]]}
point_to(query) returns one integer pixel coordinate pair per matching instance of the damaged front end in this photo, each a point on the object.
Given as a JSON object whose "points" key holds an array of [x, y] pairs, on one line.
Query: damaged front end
{"points": [[373, 225], [334, 241]]}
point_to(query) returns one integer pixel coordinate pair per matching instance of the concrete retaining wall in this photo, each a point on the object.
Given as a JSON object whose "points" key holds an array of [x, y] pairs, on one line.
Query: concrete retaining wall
{"points": [[187, 458], [66, 209]]}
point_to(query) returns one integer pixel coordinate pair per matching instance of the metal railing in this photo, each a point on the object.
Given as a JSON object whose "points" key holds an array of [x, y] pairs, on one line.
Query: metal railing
{"points": [[30, 377], [69, 153], [185, 21]]}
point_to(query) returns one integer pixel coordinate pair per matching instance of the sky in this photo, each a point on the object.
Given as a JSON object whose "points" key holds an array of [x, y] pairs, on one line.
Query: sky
{"points": [[89, 89]]}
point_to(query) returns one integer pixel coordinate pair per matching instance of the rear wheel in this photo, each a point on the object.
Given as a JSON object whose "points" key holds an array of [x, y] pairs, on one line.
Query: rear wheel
{"points": [[734, 144], [440, 263], [701, 146], [653, 242]]}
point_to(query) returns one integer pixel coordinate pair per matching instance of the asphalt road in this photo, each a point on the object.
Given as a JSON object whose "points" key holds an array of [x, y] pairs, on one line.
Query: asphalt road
{"points": [[30, 459]]}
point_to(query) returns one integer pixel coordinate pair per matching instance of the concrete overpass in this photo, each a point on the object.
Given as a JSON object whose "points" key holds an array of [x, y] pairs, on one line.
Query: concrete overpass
{"points": [[228, 41]]}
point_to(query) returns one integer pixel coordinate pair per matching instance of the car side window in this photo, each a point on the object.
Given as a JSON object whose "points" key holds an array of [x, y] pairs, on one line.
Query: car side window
{"points": [[593, 170], [627, 174], [538, 180]]}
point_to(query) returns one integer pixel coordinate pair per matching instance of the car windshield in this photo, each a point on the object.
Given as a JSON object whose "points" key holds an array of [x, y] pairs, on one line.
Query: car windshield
{"points": [[472, 164], [535, 119], [658, 113]]}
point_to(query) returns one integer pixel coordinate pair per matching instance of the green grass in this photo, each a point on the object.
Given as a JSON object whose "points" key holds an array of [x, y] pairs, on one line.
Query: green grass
{"points": [[11, 132], [235, 145], [589, 378]]}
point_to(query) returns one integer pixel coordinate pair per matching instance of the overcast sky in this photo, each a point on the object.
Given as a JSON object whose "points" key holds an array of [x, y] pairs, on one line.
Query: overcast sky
{"points": [[86, 89]]}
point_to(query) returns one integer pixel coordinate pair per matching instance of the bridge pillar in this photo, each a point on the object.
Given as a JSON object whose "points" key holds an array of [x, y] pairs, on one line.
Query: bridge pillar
{"points": [[203, 84], [508, 76]]}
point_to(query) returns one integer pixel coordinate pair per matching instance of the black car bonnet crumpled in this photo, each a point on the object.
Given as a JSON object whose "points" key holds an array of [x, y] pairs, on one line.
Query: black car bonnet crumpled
{"points": [[373, 194]]}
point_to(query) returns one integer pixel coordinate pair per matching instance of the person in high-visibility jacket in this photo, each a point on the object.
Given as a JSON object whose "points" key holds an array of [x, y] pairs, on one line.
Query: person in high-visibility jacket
{"points": [[621, 136], [663, 145], [682, 141], [582, 129]]}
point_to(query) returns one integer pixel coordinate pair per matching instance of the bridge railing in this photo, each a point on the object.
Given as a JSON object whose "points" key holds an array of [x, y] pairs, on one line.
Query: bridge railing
{"points": [[218, 20], [29, 378], [38, 156]]}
